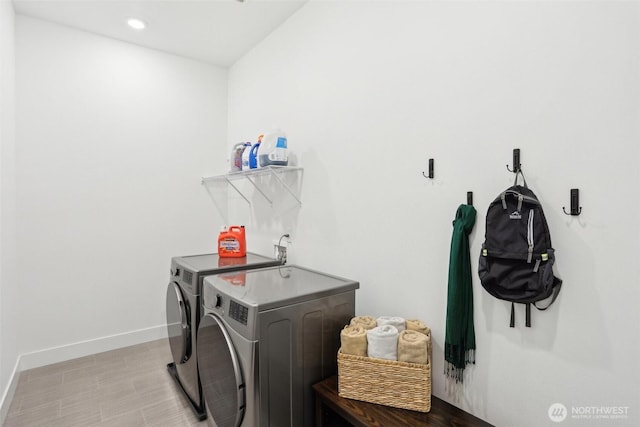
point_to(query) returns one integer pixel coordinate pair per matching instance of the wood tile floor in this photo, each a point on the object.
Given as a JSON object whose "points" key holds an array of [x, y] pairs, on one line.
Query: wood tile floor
{"points": [[125, 387]]}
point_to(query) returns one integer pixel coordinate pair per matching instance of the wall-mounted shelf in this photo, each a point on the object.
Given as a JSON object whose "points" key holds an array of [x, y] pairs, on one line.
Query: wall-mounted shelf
{"points": [[273, 184]]}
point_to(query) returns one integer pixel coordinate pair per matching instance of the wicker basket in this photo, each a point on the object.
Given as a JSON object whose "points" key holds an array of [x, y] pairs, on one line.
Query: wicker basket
{"points": [[385, 382]]}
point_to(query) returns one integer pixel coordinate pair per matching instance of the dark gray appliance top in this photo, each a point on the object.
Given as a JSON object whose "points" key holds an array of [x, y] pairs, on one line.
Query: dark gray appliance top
{"points": [[273, 287], [213, 264]]}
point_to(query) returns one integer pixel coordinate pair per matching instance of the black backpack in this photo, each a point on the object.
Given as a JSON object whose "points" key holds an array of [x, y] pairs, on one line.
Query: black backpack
{"points": [[516, 261]]}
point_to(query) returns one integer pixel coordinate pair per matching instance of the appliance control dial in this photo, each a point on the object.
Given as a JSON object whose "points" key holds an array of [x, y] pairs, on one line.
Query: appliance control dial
{"points": [[218, 302]]}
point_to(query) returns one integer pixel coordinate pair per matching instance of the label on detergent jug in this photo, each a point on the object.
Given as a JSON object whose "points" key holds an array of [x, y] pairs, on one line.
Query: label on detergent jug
{"points": [[280, 153], [230, 245]]}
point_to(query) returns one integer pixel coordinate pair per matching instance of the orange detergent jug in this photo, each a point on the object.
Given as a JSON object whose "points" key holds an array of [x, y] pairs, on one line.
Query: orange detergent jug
{"points": [[232, 242]]}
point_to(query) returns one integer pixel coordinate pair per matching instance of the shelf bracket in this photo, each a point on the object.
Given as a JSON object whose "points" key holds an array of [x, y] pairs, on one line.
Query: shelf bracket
{"points": [[286, 187], [237, 190], [236, 180], [260, 191]]}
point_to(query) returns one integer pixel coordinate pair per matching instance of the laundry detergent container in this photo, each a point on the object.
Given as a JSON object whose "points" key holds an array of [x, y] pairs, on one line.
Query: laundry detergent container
{"points": [[273, 149]]}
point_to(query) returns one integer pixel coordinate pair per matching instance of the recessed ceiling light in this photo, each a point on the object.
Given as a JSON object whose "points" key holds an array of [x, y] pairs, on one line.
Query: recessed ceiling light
{"points": [[137, 24]]}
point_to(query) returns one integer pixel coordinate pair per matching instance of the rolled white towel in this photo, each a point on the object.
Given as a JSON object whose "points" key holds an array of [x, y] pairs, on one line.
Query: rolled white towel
{"points": [[382, 342], [398, 322]]}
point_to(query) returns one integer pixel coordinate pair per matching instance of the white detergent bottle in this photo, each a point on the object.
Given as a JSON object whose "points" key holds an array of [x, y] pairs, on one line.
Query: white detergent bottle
{"points": [[235, 160], [273, 149], [245, 156]]}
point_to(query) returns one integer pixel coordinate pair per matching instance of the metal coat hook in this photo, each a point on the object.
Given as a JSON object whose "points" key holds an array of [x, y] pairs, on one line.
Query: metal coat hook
{"points": [[575, 209], [430, 170], [470, 198], [516, 161]]}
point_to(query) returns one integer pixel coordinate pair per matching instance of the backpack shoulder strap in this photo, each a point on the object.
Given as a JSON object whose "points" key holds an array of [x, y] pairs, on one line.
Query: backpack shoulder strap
{"points": [[557, 284], [527, 318], [512, 322]]}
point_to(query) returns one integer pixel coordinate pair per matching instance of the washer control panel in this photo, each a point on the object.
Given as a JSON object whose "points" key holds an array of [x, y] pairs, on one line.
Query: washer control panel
{"points": [[226, 306], [184, 277], [238, 312]]}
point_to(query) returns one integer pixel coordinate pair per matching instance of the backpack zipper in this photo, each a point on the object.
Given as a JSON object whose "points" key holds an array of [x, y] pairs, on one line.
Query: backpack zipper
{"points": [[530, 236], [536, 266], [520, 199]]}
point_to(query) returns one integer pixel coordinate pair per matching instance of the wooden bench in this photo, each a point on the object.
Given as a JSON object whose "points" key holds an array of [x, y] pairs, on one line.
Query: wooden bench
{"points": [[333, 411]]}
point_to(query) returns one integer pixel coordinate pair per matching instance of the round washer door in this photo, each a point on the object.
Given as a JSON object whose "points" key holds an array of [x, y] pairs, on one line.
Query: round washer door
{"points": [[178, 324], [220, 374]]}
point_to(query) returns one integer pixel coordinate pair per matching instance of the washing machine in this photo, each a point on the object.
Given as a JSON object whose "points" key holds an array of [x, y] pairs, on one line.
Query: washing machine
{"points": [[184, 312], [263, 345]]}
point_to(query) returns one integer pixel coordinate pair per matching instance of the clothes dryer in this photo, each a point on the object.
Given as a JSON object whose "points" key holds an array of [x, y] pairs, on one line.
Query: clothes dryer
{"points": [[263, 345], [184, 312]]}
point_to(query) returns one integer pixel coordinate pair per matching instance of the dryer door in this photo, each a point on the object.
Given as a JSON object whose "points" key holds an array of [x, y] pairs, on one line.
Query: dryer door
{"points": [[220, 374], [178, 324]]}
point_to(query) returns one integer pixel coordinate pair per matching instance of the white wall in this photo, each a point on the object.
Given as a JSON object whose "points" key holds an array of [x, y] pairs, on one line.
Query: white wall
{"points": [[368, 91], [8, 335], [112, 141]]}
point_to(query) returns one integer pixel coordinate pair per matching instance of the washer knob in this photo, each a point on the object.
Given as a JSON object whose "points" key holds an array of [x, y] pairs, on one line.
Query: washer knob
{"points": [[218, 303]]}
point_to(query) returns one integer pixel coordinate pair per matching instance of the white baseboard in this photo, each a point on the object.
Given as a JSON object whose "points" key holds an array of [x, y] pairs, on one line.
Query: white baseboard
{"points": [[85, 348], [7, 396], [72, 351]]}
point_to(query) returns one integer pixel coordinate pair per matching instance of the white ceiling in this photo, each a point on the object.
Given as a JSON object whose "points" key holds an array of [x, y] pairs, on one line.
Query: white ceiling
{"points": [[214, 31]]}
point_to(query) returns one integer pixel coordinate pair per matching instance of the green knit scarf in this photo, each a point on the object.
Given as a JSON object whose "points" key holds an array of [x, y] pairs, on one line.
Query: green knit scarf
{"points": [[460, 340]]}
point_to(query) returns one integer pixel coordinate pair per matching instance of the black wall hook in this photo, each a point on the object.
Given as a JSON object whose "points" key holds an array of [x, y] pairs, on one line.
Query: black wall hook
{"points": [[516, 161], [470, 198], [430, 170], [576, 209]]}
